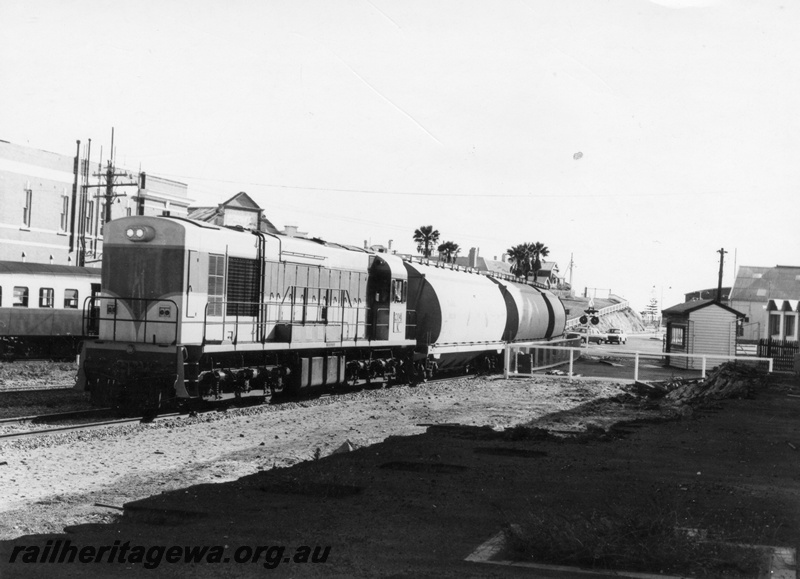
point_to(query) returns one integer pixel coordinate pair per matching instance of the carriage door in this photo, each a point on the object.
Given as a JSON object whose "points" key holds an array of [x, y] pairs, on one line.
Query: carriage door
{"points": [[192, 283]]}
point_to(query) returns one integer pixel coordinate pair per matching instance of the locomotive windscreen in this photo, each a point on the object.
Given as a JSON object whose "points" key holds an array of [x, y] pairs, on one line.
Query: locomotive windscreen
{"points": [[142, 273]]}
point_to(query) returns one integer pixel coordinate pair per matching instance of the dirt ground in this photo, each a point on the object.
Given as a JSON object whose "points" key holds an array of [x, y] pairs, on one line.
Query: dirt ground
{"points": [[435, 471]]}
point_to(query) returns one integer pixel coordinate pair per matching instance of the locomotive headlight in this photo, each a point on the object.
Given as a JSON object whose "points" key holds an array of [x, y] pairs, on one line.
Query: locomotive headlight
{"points": [[130, 348], [143, 233]]}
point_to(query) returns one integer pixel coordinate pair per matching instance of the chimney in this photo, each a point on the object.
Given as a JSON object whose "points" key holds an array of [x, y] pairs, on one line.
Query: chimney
{"points": [[473, 257]]}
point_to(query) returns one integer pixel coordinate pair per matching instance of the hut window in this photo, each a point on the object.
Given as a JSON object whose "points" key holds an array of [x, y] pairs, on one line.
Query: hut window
{"points": [[678, 335]]}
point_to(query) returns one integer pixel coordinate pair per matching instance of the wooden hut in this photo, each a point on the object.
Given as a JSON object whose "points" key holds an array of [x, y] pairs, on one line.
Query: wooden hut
{"points": [[700, 327]]}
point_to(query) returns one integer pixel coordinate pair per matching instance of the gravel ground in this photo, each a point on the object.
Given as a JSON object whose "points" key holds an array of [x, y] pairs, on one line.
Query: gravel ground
{"points": [[37, 375], [58, 480]]}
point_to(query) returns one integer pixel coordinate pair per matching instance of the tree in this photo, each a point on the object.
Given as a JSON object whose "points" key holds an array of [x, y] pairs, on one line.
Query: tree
{"points": [[426, 237], [538, 252], [448, 251], [520, 258]]}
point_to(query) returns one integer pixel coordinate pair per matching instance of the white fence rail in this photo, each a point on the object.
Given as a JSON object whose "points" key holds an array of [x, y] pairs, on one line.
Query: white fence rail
{"points": [[538, 361]]}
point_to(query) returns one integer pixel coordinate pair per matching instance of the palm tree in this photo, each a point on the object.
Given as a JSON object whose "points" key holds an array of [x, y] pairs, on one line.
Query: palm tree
{"points": [[449, 251], [426, 236], [538, 252], [520, 258]]}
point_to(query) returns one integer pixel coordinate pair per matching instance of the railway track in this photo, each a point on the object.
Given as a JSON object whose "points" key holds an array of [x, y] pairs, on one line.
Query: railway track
{"points": [[78, 427], [44, 418]]}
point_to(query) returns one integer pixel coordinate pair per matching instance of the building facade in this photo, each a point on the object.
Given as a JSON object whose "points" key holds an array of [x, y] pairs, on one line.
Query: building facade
{"points": [[238, 211], [768, 297], [53, 206]]}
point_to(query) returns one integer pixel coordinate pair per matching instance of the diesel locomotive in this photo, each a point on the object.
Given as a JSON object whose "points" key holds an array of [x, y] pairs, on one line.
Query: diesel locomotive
{"points": [[191, 310]]}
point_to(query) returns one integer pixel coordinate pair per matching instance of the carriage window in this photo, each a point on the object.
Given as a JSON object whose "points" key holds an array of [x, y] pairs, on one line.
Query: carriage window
{"points": [[216, 284], [71, 298], [20, 297], [46, 297]]}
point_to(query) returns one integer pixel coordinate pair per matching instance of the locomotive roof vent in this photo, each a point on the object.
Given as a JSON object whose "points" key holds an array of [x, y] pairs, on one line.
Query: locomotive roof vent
{"points": [[140, 233]]}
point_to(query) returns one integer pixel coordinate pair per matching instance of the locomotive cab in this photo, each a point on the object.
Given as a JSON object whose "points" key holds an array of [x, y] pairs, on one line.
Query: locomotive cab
{"points": [[388, 296]]}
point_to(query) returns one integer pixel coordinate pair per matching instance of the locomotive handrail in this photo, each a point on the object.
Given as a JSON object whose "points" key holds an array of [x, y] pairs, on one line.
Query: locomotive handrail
{"points": [[91, 304], [260, 319]]}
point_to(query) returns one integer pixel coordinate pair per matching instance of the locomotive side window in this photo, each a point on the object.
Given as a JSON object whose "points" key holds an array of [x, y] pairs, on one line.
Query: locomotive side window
{"points": [[71, 298], [20, 297], [216, 284], [46, 297]]}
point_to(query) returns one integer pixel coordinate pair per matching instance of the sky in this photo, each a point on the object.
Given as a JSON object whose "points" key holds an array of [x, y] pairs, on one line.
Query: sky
{"points": [[634, 138]]}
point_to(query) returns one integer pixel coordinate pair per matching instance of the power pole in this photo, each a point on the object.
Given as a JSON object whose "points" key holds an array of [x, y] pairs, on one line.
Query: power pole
{"points": [[721, 253], [110, 176]]}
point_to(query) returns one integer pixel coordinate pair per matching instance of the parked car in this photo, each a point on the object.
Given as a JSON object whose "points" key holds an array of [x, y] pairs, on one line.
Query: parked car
{"points": [[594, 336], [616, 336]]}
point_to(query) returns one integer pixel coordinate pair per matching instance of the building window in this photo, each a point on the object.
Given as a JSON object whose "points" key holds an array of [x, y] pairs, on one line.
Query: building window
{"points": [[26, 211], [678, 336], [87, 225], [789, 327], [46, 297], [71, 298], [64, 213], [775, 325], [20, 297], [216, 284]]}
